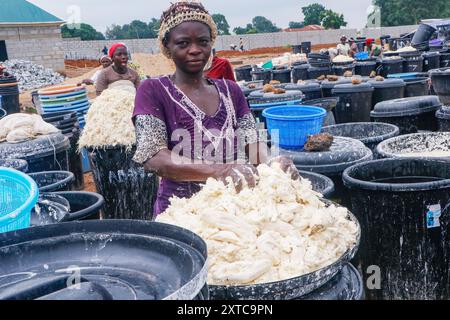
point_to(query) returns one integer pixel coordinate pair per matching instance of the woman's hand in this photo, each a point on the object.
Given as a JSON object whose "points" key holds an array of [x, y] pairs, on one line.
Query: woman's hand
{"points": [[88, 82], [241, 175], [287, 165]]}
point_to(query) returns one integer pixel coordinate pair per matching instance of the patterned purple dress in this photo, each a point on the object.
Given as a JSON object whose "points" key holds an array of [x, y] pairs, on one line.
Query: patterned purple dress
{"points": [[166, 118]]}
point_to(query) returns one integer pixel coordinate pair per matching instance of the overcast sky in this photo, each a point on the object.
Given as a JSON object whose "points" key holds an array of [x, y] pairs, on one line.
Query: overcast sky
{"points": [[103, 13]]}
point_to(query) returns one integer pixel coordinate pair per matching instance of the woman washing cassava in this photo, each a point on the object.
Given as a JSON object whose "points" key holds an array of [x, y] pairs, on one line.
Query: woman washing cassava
{"points": [[185, 106], [118, 71]]}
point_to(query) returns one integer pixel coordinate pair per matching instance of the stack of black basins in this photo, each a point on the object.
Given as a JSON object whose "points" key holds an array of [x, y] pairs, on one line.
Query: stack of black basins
{"points": [[320, 65], [67, 122], [9, 94]]}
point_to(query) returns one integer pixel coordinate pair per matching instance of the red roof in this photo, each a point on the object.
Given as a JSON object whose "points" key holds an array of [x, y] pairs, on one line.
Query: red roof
{"points": [[313, 27]]}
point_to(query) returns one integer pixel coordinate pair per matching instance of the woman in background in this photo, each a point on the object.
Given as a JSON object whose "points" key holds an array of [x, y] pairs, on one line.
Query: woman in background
{"points": [[118, 71]]}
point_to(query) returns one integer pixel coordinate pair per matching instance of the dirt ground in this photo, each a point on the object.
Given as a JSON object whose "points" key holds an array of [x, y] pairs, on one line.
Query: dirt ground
{"points": [[89, 184]]}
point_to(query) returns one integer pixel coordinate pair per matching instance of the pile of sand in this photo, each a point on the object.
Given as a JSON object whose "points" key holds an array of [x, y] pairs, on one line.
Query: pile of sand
{"points": [[154, 64]]}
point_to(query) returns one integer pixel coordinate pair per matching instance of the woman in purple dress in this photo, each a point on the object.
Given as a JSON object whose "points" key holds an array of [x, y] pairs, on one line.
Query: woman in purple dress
{"points": [[188, 127]]}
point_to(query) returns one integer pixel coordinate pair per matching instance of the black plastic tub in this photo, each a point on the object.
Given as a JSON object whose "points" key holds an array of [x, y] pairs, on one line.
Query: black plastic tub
{"points": [[369, 133], [390, 66], [129, 191], [412, 61], [17, 164], [365, 68], [341, 69], [10, 102], [443, 117], [355, 102], [345, 286], [83, 205], [300, 72], [67, 122], [432, 145], [249, 87], [423, 34], [50, 181], [409, 114], [62, 118], [45, 153], [262, 74], [9, 95], [244, 73], [431, 61], [306, 47], [441, 84], [326, 103], [293, 288], [320, 183], [445, 59], [388, 89], [343, 153], [316, 72], [328, 86], [416, 87], [296, 49], [311, 90], [282, 75], [259, 101], [2, 113], [115, 260], [403, 208]]}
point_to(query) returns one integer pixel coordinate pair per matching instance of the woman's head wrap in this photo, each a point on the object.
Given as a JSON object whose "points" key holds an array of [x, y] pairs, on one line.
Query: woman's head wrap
{"points": [[104, 57], [114, 48], [183, 11], [369, 41]]}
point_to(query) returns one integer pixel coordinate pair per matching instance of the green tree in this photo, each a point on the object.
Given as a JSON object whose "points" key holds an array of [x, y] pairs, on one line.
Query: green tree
{"points": [[240, 30], [85, 32], [114, 32], [222, 24], [264, 25], [332, 20], [409, 12], [313, 14], [296, 25], [249, 29], [135, 30]]}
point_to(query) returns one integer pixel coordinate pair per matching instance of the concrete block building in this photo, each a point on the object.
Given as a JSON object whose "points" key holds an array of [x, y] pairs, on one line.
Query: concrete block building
{"points": [[28, 32]]}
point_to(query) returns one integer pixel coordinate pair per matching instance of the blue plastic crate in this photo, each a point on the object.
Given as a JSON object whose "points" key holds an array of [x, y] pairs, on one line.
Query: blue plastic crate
{"points": [[409, 75], [293, 124], [18, 195]]}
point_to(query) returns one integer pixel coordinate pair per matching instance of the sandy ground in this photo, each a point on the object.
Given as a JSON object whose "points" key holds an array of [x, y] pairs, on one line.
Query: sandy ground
{"points": [[154, 64], [89, 184]]}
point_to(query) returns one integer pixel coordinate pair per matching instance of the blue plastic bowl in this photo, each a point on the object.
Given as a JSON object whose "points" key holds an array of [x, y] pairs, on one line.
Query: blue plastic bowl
{"points": [[18, 195], [362, 55], [293, 124], [78, 108], [64, 95]]}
